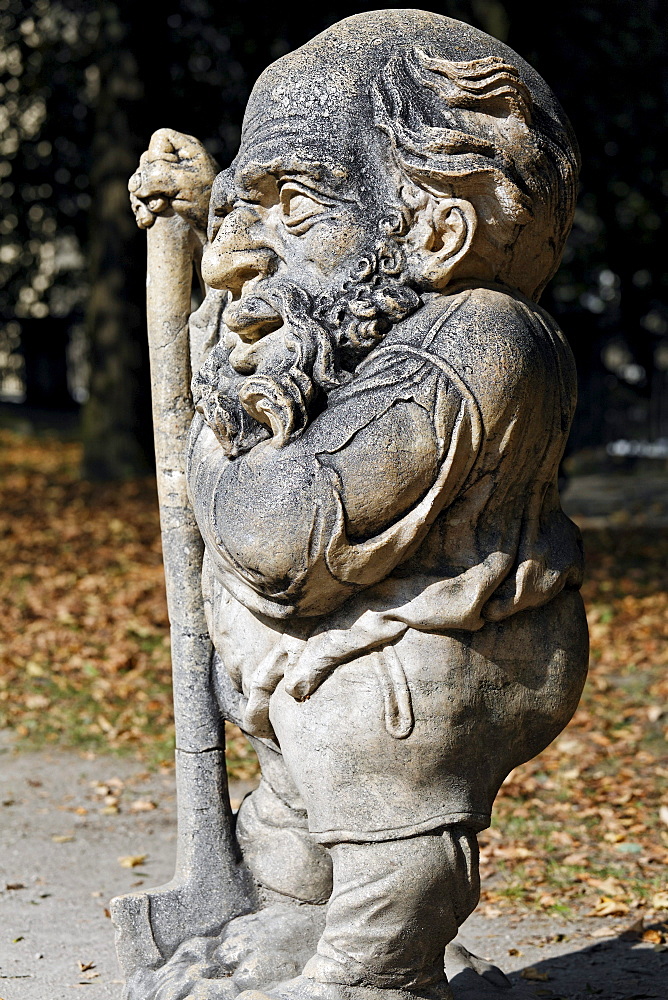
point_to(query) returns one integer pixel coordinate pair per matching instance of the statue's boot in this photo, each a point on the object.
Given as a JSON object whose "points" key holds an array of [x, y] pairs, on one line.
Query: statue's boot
{"points": [[286, 859], [394, 907]]}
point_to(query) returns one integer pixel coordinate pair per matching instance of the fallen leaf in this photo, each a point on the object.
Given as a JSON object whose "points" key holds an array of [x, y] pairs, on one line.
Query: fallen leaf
{"points": [[609, 886], [534, 975], [62, 838], [577, 859], [132, 860], [607, 907], [515, 951], [652, 936], [85, 966], [663, 814], [37, 701], [142, 805], [15, 885], [547, 899], [660, 900]]}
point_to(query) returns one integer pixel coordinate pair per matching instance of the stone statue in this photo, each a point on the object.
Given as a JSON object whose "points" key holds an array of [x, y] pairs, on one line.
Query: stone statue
{"points": [[389, 584]]}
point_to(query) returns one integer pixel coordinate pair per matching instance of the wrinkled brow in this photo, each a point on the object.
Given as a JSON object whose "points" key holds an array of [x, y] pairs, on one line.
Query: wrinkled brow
{"points": [[255, 178], [251, 179]]}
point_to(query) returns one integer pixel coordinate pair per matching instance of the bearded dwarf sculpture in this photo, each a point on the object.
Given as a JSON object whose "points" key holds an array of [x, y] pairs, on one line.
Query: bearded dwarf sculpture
{"points": [[390, 584]]}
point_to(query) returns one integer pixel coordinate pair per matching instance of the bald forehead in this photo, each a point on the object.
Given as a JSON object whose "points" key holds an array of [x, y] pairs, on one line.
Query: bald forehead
{"points": [[309, 129], [322, 96], [309, 120], [329, 80]]}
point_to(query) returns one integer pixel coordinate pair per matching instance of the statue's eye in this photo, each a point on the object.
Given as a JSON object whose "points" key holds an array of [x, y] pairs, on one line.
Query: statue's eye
{"points": [[299, 206]]}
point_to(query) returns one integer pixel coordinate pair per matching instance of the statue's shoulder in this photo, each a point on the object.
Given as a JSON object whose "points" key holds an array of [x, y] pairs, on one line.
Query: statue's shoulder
{"points": [[486, 328], [483, 314], [494, 342]]}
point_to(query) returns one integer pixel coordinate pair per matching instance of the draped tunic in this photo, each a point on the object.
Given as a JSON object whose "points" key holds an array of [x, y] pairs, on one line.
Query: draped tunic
{"points": [[449, 435]]}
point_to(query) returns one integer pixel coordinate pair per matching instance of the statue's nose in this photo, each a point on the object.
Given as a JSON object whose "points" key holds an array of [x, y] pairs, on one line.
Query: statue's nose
{"points": [[237, 253]]}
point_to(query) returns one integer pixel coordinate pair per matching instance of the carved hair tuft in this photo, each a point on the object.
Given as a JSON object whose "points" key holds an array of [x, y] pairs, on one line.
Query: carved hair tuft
{"points": [[490, 86], [471, 129]]}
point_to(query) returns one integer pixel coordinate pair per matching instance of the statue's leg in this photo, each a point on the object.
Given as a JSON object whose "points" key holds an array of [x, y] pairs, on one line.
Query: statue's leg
{"points": [[394, 907], [404, 877], [272, 825], [272, 830]]}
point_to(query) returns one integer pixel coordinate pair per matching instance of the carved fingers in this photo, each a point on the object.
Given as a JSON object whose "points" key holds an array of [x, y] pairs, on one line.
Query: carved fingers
{"points": [[219, 413], [305, 675], [266, 679], [325, 651], [175, 172]]}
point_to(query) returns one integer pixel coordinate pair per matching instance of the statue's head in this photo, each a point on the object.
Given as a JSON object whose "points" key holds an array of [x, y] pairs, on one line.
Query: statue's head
{"points": [[396, 154]]}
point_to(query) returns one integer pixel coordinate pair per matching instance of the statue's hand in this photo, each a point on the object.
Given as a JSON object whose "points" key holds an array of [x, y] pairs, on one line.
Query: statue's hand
{"points": [[266, 679], [175, 171]]}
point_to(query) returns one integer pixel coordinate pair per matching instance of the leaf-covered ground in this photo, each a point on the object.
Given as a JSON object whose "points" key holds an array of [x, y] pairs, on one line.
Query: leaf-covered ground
{"points": [[84, 661]]}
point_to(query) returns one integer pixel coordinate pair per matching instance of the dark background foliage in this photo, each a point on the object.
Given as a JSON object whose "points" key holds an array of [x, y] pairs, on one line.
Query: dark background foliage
{"points": [[84, 84]]}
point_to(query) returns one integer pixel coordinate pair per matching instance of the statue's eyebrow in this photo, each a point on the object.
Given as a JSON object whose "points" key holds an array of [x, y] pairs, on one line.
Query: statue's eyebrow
{"points": [[251, 179], [222, 190]]}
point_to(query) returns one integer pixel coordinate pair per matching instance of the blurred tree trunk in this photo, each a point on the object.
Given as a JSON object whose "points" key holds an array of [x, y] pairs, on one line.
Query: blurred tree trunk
{"points": [[44, 350], [116, 420]]}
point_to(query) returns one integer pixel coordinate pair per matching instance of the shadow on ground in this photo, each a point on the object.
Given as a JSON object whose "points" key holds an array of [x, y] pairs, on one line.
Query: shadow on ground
{"points": [[614, 969]]}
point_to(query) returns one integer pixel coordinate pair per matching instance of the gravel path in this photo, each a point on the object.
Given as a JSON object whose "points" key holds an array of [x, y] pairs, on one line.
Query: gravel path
{"points": [[67, 819]]}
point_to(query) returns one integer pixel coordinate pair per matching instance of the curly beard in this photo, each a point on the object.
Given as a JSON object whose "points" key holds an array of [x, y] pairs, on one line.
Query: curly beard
{"points": [[326, 339]]}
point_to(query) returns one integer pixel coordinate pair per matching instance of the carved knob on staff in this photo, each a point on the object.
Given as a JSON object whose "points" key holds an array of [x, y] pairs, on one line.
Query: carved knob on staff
{"points": [[175, 172]]}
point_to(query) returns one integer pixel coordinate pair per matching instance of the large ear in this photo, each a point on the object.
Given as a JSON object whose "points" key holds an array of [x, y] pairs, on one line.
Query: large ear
{"points": [[442, 235]]}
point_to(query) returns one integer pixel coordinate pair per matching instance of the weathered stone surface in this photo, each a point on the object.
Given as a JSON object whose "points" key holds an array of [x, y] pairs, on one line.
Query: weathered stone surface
{"points": [[389, 582]]}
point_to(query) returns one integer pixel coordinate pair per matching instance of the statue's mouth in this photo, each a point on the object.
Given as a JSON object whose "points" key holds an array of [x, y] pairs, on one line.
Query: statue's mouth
{"points": [[251, 317]]}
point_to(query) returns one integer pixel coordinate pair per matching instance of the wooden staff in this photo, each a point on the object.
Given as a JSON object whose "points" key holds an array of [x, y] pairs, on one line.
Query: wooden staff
{"points": [[209, 887]]}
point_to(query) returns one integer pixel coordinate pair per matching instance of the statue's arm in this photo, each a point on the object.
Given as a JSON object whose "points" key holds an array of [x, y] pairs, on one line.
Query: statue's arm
{"points": [[272, 514]]}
